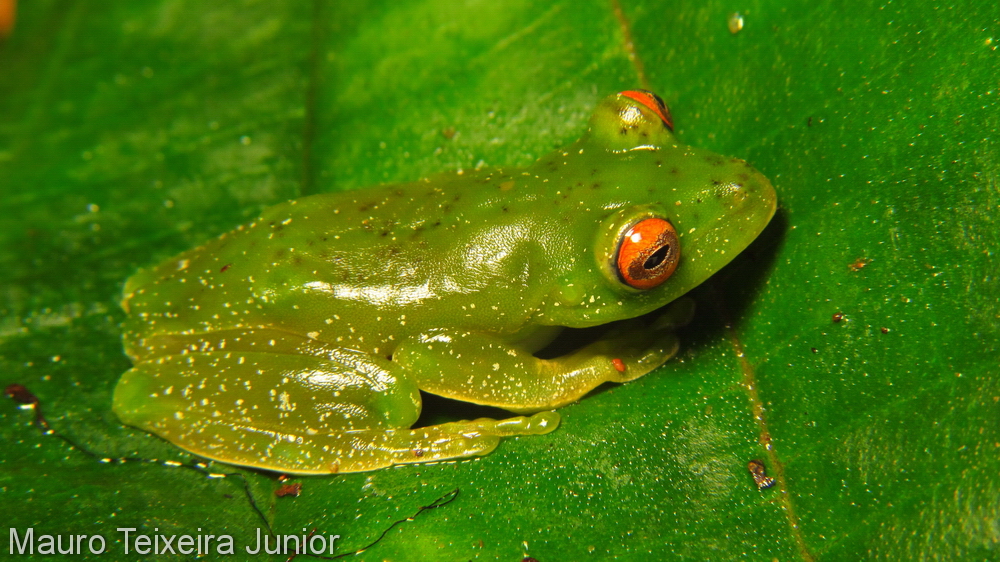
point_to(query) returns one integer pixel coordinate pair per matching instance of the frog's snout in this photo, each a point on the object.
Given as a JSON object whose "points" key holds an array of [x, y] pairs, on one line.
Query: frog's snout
{"points": [[762, 193], [748, 193]]}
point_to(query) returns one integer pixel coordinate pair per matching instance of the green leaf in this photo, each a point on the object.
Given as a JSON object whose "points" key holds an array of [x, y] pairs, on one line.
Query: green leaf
{"points": [[132, 131]]}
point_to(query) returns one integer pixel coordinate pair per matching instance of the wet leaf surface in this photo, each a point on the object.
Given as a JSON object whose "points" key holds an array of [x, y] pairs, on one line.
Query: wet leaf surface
{"points": [[132, 131]]}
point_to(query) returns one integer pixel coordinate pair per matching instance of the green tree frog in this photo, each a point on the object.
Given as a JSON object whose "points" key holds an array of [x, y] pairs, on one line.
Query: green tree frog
{"points": [[300, 342]]}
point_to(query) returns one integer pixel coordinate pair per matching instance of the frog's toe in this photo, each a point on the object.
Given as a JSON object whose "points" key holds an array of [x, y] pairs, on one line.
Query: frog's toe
{"points": [[538, 424], [657, 355]]}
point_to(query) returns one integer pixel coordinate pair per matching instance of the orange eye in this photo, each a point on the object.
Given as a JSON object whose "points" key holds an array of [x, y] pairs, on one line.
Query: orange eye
{"points": [[648, 253], [654, 102]]}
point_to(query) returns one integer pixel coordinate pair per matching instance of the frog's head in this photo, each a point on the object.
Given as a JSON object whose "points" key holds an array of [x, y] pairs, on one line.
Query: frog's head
{"points": [[656, 217]]}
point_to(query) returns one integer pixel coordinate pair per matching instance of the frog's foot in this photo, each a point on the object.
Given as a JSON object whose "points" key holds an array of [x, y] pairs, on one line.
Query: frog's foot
{"points": [[372, 449], [361, 450], [482, 369]]}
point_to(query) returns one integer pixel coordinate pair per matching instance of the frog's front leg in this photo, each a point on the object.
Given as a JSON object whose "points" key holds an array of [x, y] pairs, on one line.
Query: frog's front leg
{"points": [[483, 369], [346, 412]]}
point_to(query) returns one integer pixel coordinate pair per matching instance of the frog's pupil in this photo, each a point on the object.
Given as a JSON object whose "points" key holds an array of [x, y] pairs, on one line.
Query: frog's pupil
{"points": [[657, 257]]}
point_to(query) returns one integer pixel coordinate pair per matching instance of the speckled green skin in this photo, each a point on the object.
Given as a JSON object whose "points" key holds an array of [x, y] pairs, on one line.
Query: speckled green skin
{"points": [[299, 342]]}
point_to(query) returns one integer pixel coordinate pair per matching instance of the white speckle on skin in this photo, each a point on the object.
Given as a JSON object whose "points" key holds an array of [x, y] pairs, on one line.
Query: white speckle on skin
{"points": [[285, 402]]}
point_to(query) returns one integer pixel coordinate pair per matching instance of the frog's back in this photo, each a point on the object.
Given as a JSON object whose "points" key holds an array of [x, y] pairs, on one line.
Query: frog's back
{"points": [[393, 256]]}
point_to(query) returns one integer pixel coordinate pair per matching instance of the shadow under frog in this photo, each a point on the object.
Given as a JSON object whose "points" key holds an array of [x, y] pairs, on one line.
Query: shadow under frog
{"points": [[300, 342]]}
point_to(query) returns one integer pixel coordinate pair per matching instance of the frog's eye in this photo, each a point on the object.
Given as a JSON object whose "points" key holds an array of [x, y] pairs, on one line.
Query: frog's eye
{"points": [[648, 253], [653, 102]]}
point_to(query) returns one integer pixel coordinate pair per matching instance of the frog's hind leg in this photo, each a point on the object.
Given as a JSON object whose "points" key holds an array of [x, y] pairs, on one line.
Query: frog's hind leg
{"points": [[360, 450], [298, 414]]}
